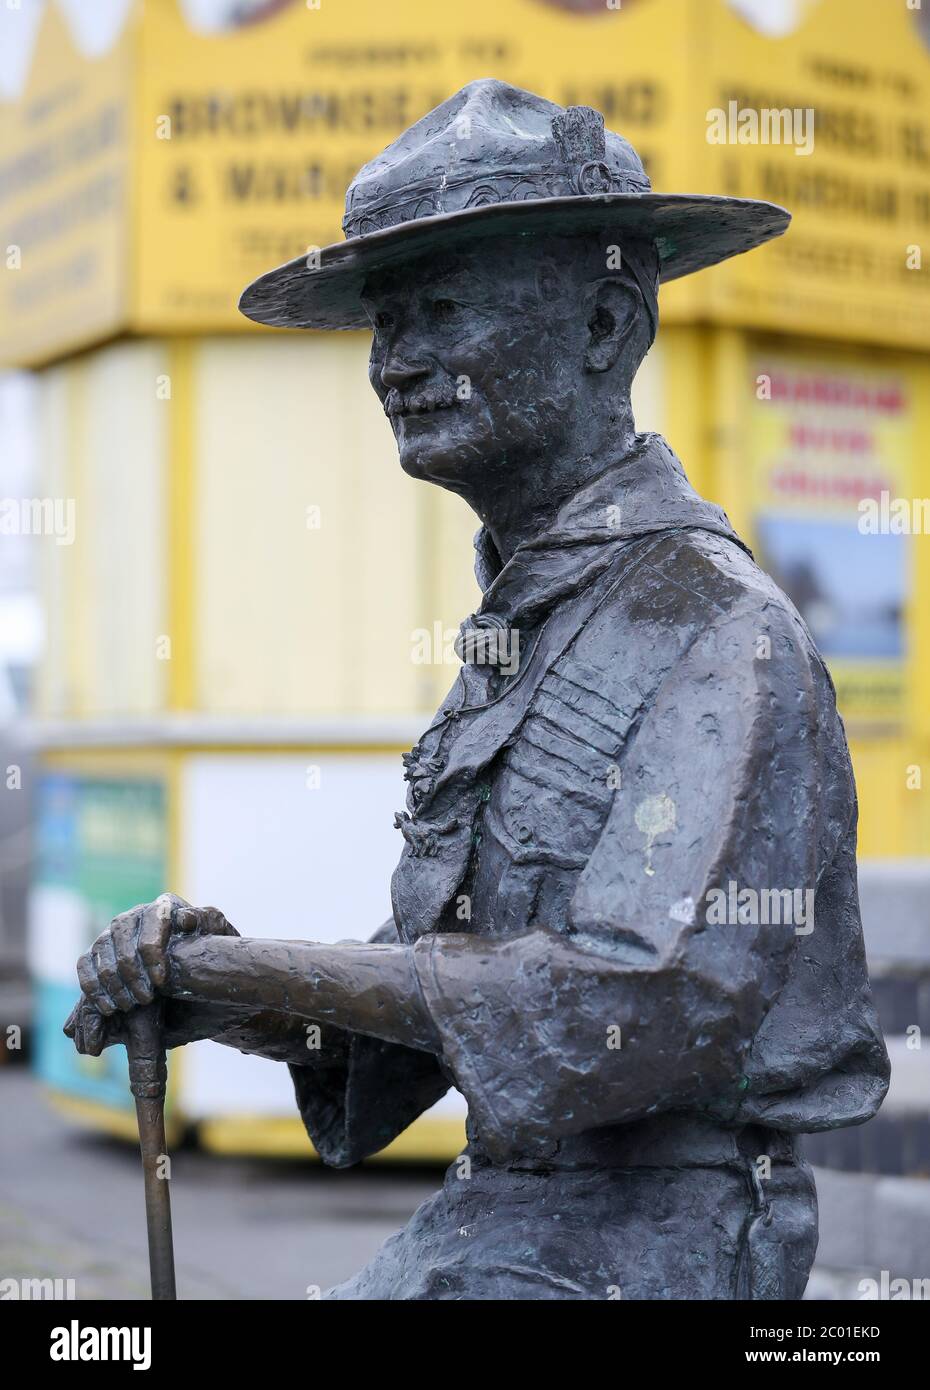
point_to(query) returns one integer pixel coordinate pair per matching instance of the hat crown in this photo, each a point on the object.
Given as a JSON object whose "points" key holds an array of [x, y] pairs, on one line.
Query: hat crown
{"points": [[490, 143]]}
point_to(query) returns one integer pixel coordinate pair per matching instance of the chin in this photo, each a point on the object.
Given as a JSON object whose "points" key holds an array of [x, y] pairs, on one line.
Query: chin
{"points": [[435, 462]]}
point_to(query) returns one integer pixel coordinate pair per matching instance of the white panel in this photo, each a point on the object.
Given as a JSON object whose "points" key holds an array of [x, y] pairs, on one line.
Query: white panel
{"points": [[282, 860], [220, 1082], [57, 934]]}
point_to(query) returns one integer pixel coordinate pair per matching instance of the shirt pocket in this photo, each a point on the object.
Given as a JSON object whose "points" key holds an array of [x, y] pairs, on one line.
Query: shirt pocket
{"points": [[556, 785]]}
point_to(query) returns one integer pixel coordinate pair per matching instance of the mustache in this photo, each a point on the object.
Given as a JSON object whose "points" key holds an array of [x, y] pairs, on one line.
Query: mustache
{"points": [[419, 400]]}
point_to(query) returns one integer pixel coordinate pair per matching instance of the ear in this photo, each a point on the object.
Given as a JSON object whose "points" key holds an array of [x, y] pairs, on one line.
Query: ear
{"points": [[610, 323]]}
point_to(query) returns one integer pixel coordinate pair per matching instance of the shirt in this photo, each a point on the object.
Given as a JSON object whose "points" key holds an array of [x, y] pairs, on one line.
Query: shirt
{"points": [[628, 875]]}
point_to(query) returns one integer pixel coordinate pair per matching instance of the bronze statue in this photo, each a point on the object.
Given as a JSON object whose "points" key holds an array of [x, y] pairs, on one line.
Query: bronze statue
{"points": [[625, 918]]}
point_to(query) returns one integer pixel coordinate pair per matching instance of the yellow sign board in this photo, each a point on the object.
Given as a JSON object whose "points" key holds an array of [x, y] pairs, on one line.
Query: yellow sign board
{"points": [[240, 123], [64, 194], [829, 116], [249, 138]]}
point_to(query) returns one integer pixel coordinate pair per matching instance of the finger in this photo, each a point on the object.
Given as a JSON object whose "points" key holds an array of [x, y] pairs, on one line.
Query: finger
{"points": [[185, 917], [90, 984], [70, 1024], [180, 907], [215, 924], [76, 1019], [154, 935], [124, 931], [104, 954], [94, 1030], [80, 1038]]}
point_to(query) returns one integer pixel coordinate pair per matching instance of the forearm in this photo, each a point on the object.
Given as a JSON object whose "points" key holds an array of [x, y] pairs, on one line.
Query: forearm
{"points": [[370, 989], [280, 1037]]}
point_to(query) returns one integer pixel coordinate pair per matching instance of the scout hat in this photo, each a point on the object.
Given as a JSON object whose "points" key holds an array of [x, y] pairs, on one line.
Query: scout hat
{"points": [[491, 161]]}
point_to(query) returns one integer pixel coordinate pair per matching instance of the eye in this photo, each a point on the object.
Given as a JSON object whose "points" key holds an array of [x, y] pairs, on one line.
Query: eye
{"points": [[383, 321], [444, 309]]}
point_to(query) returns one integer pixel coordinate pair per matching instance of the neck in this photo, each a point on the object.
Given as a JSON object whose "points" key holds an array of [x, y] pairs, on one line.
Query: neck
{"points": [[517, 504]]}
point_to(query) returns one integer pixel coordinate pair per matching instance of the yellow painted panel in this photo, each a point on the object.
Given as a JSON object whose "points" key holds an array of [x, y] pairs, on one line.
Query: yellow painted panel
{"points": [[729, 481], [121, 1124], [119, 558], [670, 395], [55, 693], [918, 615], [102, 446], [180, 490], [893, 783], [430, 1139], [450, 590], [305, 533]]}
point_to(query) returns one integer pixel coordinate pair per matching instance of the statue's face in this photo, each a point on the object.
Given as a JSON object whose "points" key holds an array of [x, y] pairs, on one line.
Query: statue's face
{"points": [[477, 359]]}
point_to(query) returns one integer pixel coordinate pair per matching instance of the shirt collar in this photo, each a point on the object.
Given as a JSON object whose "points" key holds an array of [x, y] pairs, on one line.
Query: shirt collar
{"points": [[642, 493]]}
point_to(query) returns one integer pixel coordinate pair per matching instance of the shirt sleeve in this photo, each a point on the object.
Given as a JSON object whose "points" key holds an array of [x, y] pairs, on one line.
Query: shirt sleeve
{"points": [[644, 1000], [360, 1092]]}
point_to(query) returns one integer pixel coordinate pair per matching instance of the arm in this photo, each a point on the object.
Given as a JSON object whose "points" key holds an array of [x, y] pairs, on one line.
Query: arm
{"points": [[355, 1092], [250, 993], [369, 988], [372, 1074]]}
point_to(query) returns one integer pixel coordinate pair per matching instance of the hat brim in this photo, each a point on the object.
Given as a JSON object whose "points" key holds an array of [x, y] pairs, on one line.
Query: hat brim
{"points": [[691, 232]]}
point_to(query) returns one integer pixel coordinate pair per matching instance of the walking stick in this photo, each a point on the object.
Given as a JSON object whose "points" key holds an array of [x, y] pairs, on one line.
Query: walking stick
{"points": [[148, 1075]]}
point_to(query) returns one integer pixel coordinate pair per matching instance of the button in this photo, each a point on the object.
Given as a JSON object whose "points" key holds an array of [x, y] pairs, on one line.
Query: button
{"points": [[524, 833]]}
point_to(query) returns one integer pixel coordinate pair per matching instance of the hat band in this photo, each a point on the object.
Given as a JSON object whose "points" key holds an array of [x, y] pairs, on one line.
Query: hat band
{"points": [[503, 186]]}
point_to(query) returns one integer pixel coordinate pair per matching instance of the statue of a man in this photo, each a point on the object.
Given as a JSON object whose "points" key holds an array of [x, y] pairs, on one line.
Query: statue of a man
{"points": [[625, 917]]}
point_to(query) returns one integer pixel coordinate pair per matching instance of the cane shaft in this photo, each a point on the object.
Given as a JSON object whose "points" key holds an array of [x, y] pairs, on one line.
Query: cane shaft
{"points": [[147, 1078]]}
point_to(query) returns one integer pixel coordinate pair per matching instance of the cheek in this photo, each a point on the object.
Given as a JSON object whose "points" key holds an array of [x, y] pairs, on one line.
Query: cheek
{"points": [[375, 363], [468, 354], [500, 365], [536, 380]]}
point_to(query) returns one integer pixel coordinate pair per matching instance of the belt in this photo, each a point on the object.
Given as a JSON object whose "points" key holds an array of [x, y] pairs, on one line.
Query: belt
{"points": [[671, 1140]]}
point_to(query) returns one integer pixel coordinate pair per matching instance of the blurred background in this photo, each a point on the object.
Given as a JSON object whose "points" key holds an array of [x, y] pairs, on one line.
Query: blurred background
{"points": [[217, 588]]}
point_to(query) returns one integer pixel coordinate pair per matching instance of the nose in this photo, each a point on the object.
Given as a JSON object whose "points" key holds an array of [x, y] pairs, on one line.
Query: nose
{"points": [[399, 371]]}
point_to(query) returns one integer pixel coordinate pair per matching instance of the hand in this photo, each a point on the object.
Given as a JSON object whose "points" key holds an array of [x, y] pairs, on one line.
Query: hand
{"points": [[127, 965]]}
